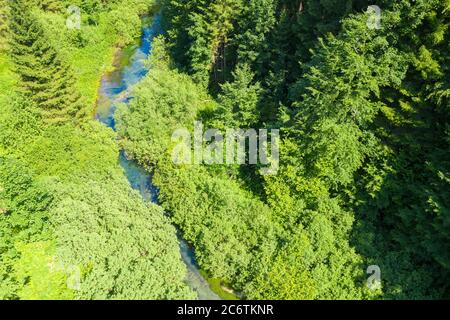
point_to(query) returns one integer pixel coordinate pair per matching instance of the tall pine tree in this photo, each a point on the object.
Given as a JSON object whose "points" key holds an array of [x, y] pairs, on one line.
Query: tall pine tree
{"points": [[45, 78]]}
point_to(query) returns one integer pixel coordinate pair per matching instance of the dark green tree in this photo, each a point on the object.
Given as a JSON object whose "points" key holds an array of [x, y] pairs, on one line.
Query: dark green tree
{"points": [[3, 24], [239, 99], [45, 77]]}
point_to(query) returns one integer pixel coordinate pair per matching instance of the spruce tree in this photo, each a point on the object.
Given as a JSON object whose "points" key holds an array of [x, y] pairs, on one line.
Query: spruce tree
{"points": [[3, 24], [45, 78], [239, 99]]}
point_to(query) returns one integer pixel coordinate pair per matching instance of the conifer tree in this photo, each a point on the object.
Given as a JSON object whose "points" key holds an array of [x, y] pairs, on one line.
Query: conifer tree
{"points": [[45, 77], [239, 99], [3, 24], [199, 30]]}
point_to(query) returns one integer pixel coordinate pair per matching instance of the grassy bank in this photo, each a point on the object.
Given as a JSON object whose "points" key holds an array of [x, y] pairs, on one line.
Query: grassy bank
{"points": [[218, 287]]}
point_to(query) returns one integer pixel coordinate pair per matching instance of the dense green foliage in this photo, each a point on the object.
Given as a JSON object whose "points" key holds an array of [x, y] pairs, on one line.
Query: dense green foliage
{"points": [[364, 166], [71, 227], [45, 79], [364, 170]]}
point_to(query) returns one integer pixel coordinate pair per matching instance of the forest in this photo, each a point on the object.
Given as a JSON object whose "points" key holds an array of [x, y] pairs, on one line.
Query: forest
{"points": [[363, 179]]}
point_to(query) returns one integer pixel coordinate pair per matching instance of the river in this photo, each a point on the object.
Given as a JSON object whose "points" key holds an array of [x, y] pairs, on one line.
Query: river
{"points": [[115, 88]]}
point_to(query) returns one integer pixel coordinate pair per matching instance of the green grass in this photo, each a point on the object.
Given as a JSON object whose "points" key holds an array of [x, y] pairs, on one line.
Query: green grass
{"points": [[92, 61], [90, 64], [216, 286], [98, 57]]}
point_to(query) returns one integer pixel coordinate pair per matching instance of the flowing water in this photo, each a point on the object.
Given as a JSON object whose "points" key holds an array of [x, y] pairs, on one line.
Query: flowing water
{"points": [[114, 89]]}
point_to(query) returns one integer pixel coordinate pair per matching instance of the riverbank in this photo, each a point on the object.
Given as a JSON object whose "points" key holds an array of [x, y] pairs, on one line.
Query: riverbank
{"points": [[220, 288], [130, 69]]}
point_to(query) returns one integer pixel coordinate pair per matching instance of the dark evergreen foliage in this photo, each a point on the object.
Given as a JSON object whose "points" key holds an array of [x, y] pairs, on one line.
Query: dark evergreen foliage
{"points": [[45, 77]]}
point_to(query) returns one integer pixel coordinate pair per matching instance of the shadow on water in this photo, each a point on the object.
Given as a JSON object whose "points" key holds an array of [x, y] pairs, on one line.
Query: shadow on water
{"points": [[114, 89]]}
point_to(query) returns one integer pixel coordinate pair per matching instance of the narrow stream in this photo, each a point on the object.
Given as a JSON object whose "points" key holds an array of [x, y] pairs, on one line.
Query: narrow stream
{"points": [[114, 89]]}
